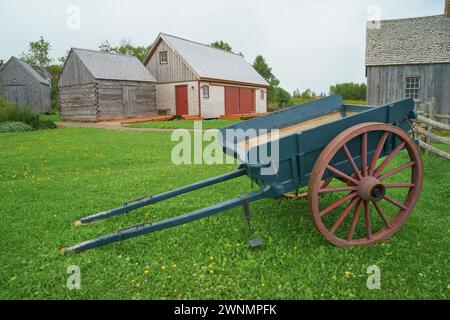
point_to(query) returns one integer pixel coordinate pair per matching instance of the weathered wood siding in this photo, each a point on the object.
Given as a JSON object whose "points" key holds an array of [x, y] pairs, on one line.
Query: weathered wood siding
{"points": [[175, 70], [37, 94], [75, 72], [387, 83], [104, 100], [78, 102], [111, 99]]}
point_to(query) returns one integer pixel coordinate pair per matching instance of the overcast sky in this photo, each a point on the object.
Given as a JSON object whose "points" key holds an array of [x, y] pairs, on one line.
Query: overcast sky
{"points": [[309, 44]]}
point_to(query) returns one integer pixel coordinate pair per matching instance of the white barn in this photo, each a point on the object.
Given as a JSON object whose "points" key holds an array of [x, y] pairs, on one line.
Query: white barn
{"points": [[194, 79]]}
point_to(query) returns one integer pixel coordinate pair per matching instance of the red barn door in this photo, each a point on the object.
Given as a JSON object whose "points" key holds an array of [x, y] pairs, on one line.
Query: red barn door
{"points": [[231, 100], [246, 100], [181, 100]]}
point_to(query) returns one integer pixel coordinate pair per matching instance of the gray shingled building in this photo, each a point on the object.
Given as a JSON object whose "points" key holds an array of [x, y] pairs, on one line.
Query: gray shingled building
{"points": [[22, 85], [102, 86], [410, 58]]}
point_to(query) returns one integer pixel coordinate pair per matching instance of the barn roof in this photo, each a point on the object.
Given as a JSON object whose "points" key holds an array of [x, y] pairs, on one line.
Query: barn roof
{"points": [[422, 40], [211, 63], [27, 68], [113, 66]]}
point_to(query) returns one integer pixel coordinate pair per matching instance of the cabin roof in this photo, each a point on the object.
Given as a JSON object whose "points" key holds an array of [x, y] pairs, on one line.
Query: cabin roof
{"points": [[211, 63], [423, 40], [113, 66], [27, 68]]}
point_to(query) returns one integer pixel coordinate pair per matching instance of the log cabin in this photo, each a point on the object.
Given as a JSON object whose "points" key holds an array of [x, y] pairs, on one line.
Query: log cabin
{"points": [[98, 85]]}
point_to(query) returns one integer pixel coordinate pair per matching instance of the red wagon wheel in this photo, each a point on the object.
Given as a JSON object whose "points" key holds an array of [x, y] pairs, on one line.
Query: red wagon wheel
{"points": [[365, 192]]}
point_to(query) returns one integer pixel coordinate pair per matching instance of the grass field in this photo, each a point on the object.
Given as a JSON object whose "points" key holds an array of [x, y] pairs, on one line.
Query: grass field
{"points": [[183, 124], [50, 178], [297, 101]]}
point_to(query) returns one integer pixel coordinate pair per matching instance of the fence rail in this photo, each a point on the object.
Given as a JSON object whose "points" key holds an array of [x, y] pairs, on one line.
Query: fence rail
{"points": [[424, 127]]}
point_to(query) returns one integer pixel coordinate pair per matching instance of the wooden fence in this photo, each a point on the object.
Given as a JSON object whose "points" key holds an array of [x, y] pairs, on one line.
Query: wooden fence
{"points": [[424, 129]]}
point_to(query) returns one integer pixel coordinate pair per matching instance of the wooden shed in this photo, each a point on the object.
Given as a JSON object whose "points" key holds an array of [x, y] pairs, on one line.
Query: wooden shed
{"points": [[101, 86], [410, 58], [24, 86]]}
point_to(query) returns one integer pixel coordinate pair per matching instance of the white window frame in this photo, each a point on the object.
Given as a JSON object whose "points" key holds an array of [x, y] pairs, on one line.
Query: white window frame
{"points": [[413, 88], [205, 87], [262, 94], [161, 55]]}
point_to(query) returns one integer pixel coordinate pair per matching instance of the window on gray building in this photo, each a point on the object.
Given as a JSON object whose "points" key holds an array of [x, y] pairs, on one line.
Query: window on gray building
{"points": [[412, 87]]}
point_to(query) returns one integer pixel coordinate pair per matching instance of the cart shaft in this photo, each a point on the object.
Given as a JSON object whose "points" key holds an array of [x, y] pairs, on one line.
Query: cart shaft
{"points": [[146, 228], [163, 196]]}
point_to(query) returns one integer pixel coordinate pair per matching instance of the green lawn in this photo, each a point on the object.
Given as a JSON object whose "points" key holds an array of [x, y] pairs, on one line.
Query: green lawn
{"points": [[50, 178], [184, 124], [297, 101]]}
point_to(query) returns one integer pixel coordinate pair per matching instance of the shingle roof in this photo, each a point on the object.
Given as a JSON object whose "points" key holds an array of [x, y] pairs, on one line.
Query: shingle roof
{"points": [[421, 40], [28, 68], [212, 63], [113, 66]]}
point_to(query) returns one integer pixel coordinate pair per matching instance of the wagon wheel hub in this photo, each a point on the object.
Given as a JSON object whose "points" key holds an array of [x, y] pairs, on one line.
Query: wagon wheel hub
{"points": [[370, 189]]}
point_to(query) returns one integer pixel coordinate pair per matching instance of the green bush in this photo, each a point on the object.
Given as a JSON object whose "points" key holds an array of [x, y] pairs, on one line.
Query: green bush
{"points": [[10, 112], [14, 126], [350, 91]]}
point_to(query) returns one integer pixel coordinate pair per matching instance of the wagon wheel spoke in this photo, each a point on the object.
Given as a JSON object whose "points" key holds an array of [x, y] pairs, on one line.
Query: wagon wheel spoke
{"points": [[364, 154], [395, 202], [339, 203], [354, 221], [337, 189], [352, 162], [342, 174], [388, 159], [399, 185], [367, 216], [344, 215], [377, 154], [396, 170], [381, 214]]}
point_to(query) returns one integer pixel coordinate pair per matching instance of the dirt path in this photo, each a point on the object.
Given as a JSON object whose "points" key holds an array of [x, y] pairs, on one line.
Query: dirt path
{"points": [[118, 127]]}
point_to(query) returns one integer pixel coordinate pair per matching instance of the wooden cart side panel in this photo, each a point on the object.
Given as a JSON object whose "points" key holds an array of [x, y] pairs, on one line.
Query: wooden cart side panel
{"points": [[309, 144]]}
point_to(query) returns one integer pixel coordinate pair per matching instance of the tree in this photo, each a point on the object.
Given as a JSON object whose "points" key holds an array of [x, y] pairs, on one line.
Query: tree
{"points": [[54, 71], [350, 90], [38, 55], [225, 46], [126, 47], [283, 98], [261, 66]]}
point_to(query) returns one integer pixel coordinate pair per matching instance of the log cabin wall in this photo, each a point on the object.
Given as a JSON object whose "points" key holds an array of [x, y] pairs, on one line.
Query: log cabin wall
{"points": [[79, 102], [115, 96]]}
